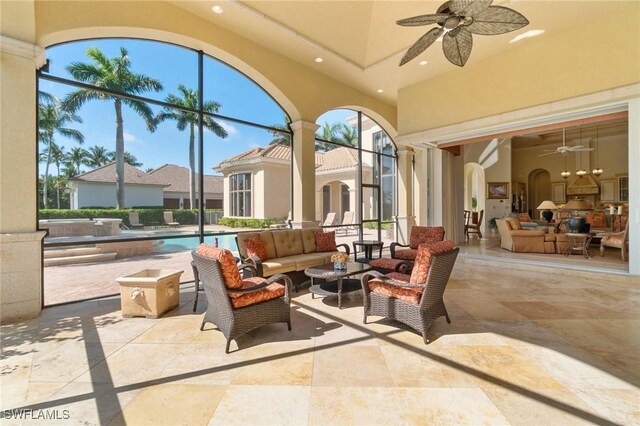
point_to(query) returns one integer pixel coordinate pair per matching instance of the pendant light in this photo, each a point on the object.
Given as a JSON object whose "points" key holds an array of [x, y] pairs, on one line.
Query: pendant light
{"points": [[597, 171], [581, 172], [565, 173]]}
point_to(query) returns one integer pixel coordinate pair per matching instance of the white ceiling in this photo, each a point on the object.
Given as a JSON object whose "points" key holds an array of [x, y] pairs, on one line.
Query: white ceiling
{"points": [[360, 43]]}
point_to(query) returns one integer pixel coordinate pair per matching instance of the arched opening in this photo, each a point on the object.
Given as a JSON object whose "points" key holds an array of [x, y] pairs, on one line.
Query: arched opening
{"points": [[539, 190], [474, 191]]}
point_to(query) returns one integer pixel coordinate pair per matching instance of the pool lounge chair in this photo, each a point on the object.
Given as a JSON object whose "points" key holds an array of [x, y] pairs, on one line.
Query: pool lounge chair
{"points": [[348, 220], [330, 219], [134, 221], [168, 219]]}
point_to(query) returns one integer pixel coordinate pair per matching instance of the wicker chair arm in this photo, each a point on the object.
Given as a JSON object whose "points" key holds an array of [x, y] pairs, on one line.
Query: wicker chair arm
{"points": [[196, 274], [346, 248], [250, 267], [397, 283], [257, 265], [392, 248]]}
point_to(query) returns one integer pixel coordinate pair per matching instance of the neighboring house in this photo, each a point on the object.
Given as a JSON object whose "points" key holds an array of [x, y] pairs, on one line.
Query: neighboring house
{"points": [[176, 194], [97, 188], [256, 182]]}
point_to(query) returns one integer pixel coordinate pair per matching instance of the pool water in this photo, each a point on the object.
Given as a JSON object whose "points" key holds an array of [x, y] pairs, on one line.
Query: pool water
{"points": [[173, 245]]}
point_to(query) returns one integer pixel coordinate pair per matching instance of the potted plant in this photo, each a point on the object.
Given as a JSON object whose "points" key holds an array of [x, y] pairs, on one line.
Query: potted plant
{"points": [[474, 210]]}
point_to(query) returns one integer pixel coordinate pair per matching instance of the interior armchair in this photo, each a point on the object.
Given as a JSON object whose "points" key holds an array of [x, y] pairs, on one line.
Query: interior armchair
{"points": [[518, 240], [618, 240], [418, 235], [237, 305]]}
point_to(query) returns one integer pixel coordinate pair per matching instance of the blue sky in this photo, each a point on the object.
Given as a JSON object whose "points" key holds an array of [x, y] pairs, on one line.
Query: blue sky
{"points": [[171, 65]]}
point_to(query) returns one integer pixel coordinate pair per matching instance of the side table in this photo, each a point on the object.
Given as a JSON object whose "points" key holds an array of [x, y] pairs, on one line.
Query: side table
{"points": [[367, 248], [579, 244]]}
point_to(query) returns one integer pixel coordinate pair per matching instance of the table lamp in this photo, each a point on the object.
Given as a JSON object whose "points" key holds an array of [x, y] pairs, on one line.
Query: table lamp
{"points": [[546, 206], [577, 223]]}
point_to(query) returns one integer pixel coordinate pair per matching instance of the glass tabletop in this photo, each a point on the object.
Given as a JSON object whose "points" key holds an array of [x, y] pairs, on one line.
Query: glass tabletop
{"points": [[328, 270]]}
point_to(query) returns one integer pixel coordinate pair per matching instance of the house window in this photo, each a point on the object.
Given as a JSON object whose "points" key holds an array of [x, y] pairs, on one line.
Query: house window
{"points": [[240, 194]]}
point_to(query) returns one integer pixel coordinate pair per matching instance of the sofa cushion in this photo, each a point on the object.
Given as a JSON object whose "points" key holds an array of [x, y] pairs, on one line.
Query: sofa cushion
{"points": [[596, 219], [528, 233], [228, 265], [425, 235], [422, 264], [303, 261], [326, 241], [410, 295], [272, 291], [523, 217], [279, 265], [288, 243], [267, 241], [309, 239], [255, 247], [514, 224]]}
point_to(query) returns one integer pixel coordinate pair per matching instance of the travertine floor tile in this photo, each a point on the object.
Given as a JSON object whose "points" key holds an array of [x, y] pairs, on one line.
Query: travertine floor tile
{"points": [[334, 367], [180, 330], [263, 405], [617, 405], [289, 365]]}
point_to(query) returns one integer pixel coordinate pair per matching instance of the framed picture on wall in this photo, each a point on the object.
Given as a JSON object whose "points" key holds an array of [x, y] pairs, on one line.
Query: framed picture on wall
{"points": [[558, 194], [497, 190]]}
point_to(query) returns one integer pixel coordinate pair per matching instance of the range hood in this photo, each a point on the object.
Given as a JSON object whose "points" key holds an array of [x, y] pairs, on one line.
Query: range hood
{"points": [[583, 185]]}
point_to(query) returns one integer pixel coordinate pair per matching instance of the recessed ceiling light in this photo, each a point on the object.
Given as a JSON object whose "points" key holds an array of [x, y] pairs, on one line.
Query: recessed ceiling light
{"points": [[528, 34], [379, 90], [424, 62], [319, 59], [217, 9]]}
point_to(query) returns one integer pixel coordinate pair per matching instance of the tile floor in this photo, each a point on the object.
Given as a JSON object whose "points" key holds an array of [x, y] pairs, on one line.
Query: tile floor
{"points": [[524, 348]]}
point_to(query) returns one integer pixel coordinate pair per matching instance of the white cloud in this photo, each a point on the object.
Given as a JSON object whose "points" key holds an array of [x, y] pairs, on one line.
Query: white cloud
{"points": [[228, 127], [128, 137]]}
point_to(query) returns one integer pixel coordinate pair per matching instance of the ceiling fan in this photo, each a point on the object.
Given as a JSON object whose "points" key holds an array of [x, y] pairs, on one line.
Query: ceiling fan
{"points": [[457, 20], [564, 149]]}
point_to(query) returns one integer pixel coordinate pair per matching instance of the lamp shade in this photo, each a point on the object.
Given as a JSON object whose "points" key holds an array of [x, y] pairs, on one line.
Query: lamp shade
{"points": [[547, 205], [577, 204]]}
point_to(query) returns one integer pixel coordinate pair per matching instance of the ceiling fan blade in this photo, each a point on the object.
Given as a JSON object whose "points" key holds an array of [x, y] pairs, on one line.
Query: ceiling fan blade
{"points": [[497, 20], [582, 149], [573, 147], [457, 45], [549, 153], [469, 7], [421, 45], [415, 21]]}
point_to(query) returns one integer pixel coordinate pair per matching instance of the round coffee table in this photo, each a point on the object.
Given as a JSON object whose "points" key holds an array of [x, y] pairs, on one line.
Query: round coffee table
{"points": [[578, 243], [334, 279]]}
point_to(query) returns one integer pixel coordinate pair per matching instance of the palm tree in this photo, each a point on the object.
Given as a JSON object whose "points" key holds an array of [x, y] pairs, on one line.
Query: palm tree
{"points": [[281, 138], [76, 157], [51, 121], [188, 98], [58, 156], [98, 156], [327, 132], [347, 134], [129, 158], [113, 74]]}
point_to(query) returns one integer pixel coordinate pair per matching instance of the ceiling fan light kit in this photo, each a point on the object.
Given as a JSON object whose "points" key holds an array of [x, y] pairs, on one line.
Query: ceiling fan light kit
{"points": [[457, 20]]}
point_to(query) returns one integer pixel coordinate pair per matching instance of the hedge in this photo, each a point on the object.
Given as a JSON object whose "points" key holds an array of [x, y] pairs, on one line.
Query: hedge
{"points": [[233, 222]]}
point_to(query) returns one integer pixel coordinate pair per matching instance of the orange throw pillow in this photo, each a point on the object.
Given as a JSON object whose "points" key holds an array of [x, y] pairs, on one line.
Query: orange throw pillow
{"points": [[423, 259], [228, 265], [597, 219], [255, 247], [523, 217], [326, 241]]}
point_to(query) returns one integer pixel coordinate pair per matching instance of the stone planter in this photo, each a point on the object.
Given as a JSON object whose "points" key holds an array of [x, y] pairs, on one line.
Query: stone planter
{"points": [[149, 293]]}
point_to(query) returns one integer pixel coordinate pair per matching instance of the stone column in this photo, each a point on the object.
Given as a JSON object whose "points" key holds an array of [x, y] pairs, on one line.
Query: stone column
{"points": [[405, 218], [20, 242], [304, 174]]}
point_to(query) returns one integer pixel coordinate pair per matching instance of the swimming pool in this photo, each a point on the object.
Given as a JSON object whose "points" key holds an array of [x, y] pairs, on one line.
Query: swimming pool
{"points": [[173, 245]]}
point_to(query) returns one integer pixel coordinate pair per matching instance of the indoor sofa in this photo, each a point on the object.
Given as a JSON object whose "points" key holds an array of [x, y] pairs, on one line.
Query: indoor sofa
{"points": [[288, 251], [518, 240]]}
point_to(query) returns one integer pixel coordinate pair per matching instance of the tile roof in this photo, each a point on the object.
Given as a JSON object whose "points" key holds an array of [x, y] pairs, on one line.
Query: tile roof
{"points": [[178, 179], [339, 158], [107, 174]]}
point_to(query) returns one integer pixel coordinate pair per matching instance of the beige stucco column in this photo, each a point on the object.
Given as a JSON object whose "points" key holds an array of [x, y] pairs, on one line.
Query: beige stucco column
{"points": [[20, 243], [304, 174], [406, 218]]}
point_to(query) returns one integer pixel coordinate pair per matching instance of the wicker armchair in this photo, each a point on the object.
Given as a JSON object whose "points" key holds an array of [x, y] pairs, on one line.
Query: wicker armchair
{"points": [[418, 235], [235, 311], [411, 300]]}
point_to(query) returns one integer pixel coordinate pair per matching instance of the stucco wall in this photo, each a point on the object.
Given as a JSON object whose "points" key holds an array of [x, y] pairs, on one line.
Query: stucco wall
{"points": [[276, 193]]}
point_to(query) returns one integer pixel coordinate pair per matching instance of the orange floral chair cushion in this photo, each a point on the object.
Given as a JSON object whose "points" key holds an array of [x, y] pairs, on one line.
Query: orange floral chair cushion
{"points": [[386, 263], [523, 217], [597, 219], [423, 260], [425, 235], [620, 222], [272, 291], [410, 295], [227, 264], [326, 241], [255, 247], [406, 254]]}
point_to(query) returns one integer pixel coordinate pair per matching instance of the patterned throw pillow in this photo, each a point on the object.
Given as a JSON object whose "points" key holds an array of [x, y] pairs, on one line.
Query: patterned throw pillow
{"points": [[423, 260], [227, 264], [597, 219], [425, 235], [326, 241], [523, 217], [255, 247]]}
